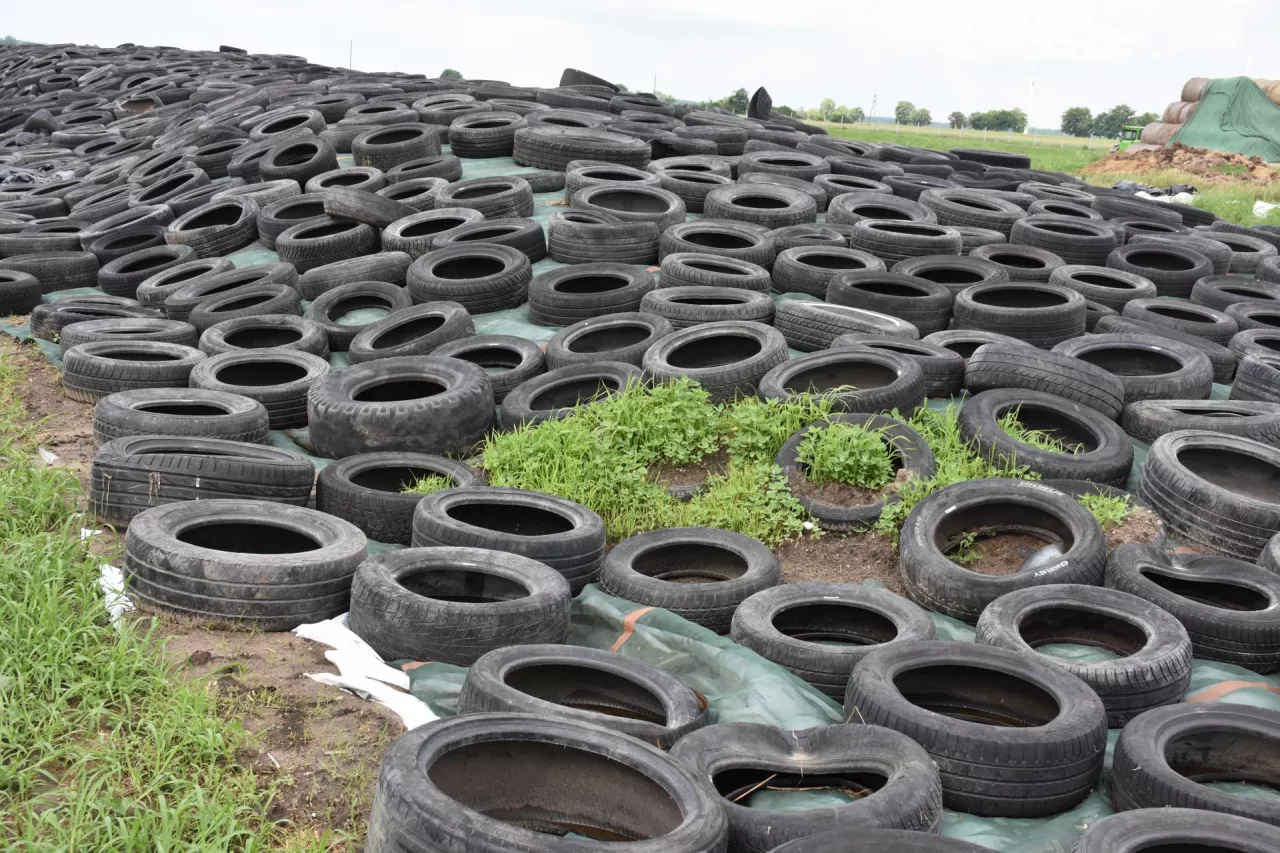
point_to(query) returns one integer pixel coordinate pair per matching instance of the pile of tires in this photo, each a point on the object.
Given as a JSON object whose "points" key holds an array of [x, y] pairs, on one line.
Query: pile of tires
{"points": [[1095, 317]]}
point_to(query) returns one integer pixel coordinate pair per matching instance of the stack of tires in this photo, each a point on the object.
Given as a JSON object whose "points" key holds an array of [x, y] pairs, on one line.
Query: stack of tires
{"points": [[379, 328]]}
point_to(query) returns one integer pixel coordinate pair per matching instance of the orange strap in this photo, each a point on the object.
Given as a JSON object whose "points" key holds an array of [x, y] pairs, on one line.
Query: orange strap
{"points": [[1222, 688], [413, 664], [628, 627]]}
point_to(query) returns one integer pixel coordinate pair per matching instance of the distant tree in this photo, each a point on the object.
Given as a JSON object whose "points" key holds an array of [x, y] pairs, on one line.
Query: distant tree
{"points": [[1015, 120], [922, 118], [786, 111], [957, 120], [738, 101], [1109, 124], [855, 115], [979, 121], [664, 97], [1145, 119], [1077, 121], [450, 74], [904, 112], [827, 109]]}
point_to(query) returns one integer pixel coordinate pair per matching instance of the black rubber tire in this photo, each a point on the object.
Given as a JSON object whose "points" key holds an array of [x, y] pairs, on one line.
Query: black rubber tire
{"points": [[216, 229], [1147, 420], [329, 307], [811, 269], [1227, 606], [1219, 254], [922, 303], [1149, 367], [524, 235], [1115, 205], [1185, 317], [1264, 343], [572, 682], [585, 173], [793, 625], [942, 369], [489, 134], [120, 243], [1254, 315], [739, 240], [940, 520], [1037, 760], [448, 422], [727, 359], [510, 361], [913, 185], [1247, 251], [122, 276], [133, 474], [824, 235], [496, 198], [1147, 829], [319, 242], [1076, 241], [181, 301], [1110, 287], [127, 329], [553, 148], [691, 187], [729, 568], [559, 533], [1172, 268], [481, 277], [1222, 359], [299, 159], [896, 241], [266, 589], [1000, 365], [621, 337], [365, 207], [1162, 756], [852, 208], [1257, 378], [555, 394], [1209, 513], [418, 193], [1155, 664], [544, 181], [812, 326], [416, 234], [1220, 292], [953, 272], [92, 371], [745, 753], [621, 785], [56, 270], [277, 378], [153, 291], [581, 237], [1021, 263], [444, 166], [151, 411], [252, 300], [694, 269], [691, 306], [1107, 455], [265, 331], [810, 189], [965, 343], [631, 203], [368, 490], [769, 205], [999, 159], [390, 145], [910, 450], [564, 296], [1040, 314], [401, 621], [857, 380], [884, 840], [969, 208], [364, 178], [49, 318], [412, 331]]}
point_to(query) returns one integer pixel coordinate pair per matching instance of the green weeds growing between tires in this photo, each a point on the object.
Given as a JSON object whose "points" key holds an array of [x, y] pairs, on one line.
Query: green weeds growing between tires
{"points": [[844, 453], [1110, 511]]}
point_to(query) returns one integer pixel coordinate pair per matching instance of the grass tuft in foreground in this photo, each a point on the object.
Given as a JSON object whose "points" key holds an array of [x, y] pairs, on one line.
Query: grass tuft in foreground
{"points": [[845, 453], [99, 748]]}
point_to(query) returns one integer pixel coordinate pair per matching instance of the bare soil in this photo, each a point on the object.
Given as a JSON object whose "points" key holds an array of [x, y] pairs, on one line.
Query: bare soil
{"points": [[1142, 527], [1211, 165], [690, 476], [62, 426], [832, 558], [845, 494], [1003, 553]]}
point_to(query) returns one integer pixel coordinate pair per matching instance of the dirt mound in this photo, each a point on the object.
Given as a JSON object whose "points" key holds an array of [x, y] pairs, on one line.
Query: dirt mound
{"points": [[1213, 165]]}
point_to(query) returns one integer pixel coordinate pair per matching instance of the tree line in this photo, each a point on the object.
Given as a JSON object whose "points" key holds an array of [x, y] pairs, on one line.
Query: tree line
{"points": [[1078, 121]]}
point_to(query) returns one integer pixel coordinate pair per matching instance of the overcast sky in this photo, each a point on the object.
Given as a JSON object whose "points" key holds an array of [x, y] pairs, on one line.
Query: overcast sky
{"points": [[940, 54]]}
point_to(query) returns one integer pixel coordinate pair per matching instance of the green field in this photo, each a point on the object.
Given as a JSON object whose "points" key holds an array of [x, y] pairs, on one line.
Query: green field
{"points": [[1230, 199]]}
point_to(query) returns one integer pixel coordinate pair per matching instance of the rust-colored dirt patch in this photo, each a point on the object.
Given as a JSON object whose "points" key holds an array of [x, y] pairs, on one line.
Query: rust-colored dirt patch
{"points": [[1212, 165], [842, 559], [62, 425]]}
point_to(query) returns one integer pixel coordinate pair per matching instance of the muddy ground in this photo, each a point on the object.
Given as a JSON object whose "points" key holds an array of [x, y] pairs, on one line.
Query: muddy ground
{"points": [[1211, 165]]}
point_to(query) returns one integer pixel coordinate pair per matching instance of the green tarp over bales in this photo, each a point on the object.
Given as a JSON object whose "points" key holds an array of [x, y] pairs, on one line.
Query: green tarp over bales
{"points": [[1237, 117]]}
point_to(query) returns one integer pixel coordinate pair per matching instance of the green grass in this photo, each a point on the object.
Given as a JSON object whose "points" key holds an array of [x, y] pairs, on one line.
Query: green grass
{"points": [[600, 456], [1038, 439], [1108, 510], [957, 463], [1231, 200], [428, 485], [100, 749], [1050, 153], [845, 453]]}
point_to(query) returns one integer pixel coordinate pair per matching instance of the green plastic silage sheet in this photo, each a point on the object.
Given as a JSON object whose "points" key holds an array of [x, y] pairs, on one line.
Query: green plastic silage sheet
{"points": [[740, 686], [1234, 116]]}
